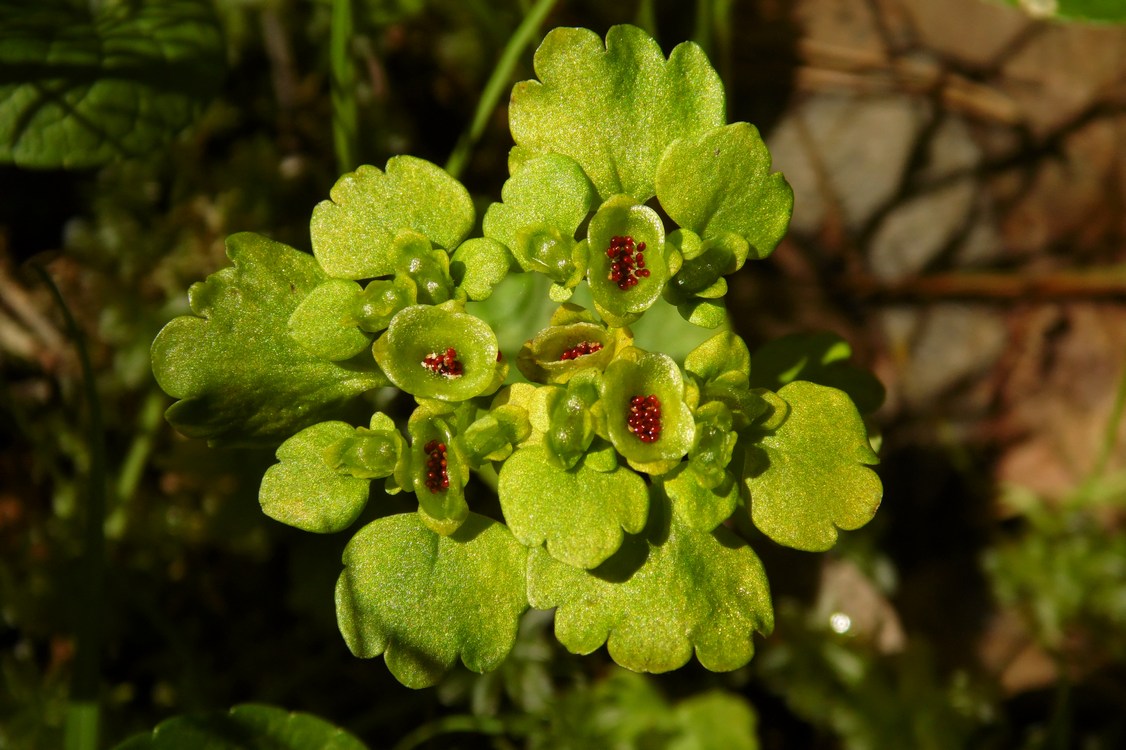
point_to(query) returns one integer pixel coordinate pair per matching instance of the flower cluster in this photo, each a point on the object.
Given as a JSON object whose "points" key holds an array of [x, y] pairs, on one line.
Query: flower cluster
{"points": [[598, 447]]}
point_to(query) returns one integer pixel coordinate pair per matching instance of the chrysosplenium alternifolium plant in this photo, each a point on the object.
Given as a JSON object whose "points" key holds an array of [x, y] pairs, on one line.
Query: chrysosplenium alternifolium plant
{"points": [[622, 473]]}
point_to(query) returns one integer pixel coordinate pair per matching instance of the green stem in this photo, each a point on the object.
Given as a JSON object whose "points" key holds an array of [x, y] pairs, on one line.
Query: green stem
{"points": [[497, 84], [83, 710], [452, 725], [345, 119], [129, 475]]}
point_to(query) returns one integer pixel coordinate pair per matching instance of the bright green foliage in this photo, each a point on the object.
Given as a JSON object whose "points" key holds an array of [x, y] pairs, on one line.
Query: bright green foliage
{"points": [[1079, 10], [720, 183], [353, 233], [86, 83], [422, 599], [324, 323], [478, 265], [810, 476], [545, 200], [423, 331], [234, 366], [245, 726], [614, 108], [305, 490], [581, 513], [671, 591], [619, 469]]}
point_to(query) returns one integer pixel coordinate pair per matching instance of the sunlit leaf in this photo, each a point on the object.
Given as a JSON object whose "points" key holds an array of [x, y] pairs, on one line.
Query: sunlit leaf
{"points": [[580, 513], [233, 365], [422, 599], [811, 476], [614, 108], [664, 594]]}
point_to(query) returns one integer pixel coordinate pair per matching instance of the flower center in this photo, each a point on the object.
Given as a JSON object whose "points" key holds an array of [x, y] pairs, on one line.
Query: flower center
{"points": [[444, 363], [627, 261], [437, 478], [645, 417], [581, 350]]}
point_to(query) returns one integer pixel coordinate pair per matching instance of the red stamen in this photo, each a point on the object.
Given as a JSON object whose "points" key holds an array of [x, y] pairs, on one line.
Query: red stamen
{"points": [[444, 363], [581, 349], [437, 477], [627, 262], [645, 418]]}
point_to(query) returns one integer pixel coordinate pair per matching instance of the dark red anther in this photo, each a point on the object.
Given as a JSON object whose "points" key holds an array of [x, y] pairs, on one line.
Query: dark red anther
{"points": [[644, 419], [581, 349], [437, 477], [444, 363], [627, 261]]}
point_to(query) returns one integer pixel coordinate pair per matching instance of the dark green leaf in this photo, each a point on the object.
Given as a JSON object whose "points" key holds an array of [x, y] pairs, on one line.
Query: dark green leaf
{"points": [[819, 358], [235, 368], [84, 83], [422, 599], [245, 727]]}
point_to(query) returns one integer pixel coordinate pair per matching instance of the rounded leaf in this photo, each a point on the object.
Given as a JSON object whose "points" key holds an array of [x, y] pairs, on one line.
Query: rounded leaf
{"points": [[422, 599], [614, 108], [305, 490], [580, 513], [323, 323], [810, 476], [721, 182], [354, 231], [660, 597]]}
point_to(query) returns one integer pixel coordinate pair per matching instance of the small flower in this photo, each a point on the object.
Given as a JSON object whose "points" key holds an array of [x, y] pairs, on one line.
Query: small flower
{"points": [[628, 268], [647, 417], [440, 352], [572, 343]]}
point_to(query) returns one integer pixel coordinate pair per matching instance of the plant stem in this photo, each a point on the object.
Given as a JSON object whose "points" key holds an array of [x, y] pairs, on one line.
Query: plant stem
{"points": [[497, 83], [83, 710], [451, 725], [345, 119]]}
